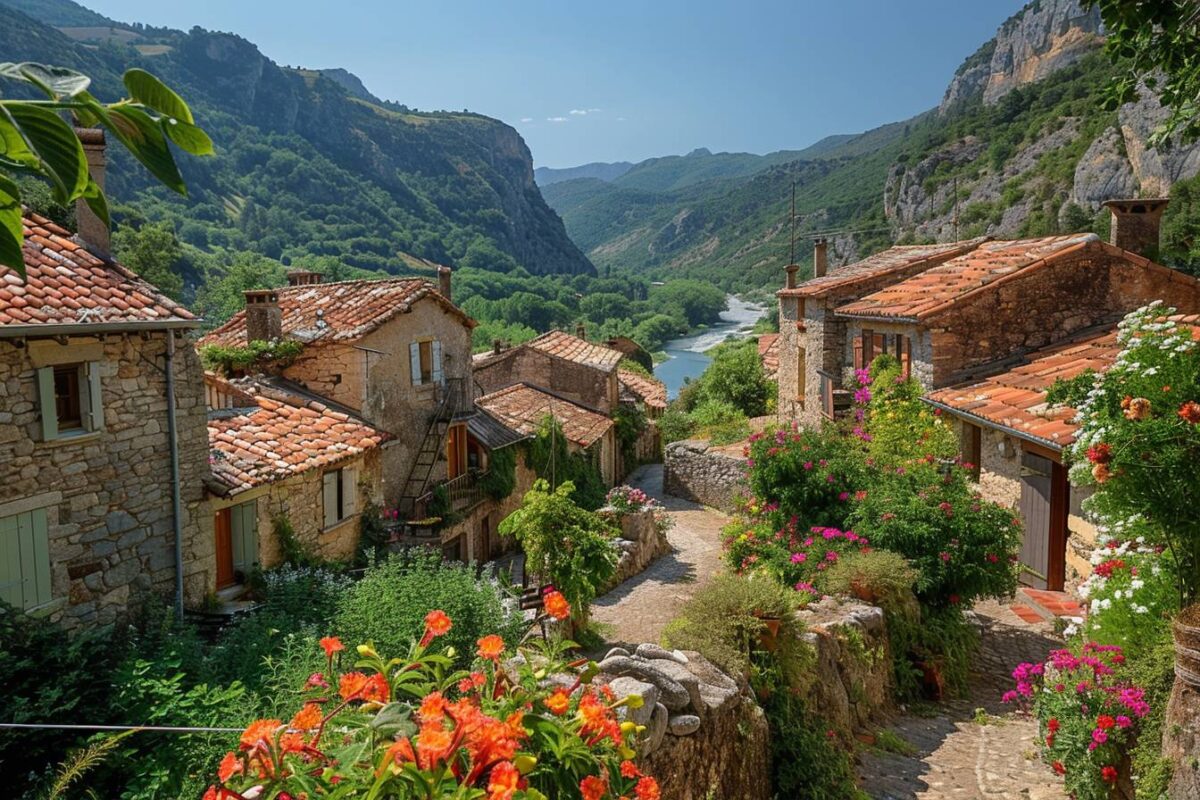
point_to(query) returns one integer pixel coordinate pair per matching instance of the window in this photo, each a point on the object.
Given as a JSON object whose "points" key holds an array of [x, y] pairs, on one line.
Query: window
{"points": [[426, 361], [25, 560], [70, 400], [340, 493]]}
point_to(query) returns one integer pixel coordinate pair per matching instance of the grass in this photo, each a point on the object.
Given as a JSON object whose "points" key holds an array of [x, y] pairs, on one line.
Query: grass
{"points": [[891, 742]]}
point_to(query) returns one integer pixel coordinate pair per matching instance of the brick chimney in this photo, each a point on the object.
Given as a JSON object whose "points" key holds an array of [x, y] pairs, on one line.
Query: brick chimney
{"points": [[264, 320], [581, 331], [820, 258], [93, 231], [444, 286], [1136, 223], [791, 270], [303, 277]]}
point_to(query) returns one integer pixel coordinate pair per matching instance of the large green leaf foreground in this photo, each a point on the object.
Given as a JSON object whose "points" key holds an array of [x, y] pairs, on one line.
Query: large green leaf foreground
{"points": [[36, 139]]}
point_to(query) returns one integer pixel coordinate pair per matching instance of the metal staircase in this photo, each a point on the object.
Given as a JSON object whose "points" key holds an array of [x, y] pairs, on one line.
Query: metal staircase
{"points": [[432, 449]]}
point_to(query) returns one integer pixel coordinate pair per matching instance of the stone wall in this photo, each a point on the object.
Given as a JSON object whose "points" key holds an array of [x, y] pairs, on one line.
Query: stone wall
{"points": [[107, 494], [694, 470], [579, 383], [705, 735], [641, 541]]}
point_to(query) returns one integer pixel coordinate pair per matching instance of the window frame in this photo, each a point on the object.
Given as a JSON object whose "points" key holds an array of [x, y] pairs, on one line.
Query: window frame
{"points": [[90, 400], [425, 361], [339, 495]]}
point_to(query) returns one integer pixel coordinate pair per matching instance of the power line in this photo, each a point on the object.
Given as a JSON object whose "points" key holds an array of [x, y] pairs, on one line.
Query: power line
{"points": [[152, 728]]}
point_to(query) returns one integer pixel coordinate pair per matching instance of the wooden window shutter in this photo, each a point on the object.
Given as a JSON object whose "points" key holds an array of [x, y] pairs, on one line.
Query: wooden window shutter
{"points": [[25, 559], [904, 348], [349, 492], [45, 382], [92, 402], [12, 587], [858, 352], [330, 496], [801, 373], [414, 355], [244, 534], [438, 376], [868, 348]]}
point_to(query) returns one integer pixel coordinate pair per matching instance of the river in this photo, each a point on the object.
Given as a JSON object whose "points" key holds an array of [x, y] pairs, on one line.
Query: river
{"points": [[686, 357]]}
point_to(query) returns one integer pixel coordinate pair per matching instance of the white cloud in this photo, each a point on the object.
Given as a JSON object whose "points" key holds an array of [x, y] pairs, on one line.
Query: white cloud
{"points": [[583, 112], [556, 119], [526, 119], [620, 119]]}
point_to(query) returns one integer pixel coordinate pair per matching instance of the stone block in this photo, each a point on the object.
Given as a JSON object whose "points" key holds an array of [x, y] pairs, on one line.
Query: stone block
{"points": [[119, 522], [683, 724], [674, 695], [625, 687]]}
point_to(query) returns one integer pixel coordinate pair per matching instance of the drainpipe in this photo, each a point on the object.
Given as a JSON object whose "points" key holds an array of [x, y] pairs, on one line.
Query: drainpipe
{"points": [[176, 505]]}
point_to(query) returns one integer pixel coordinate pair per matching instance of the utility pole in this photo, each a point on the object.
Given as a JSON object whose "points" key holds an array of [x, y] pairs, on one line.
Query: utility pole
{"points": [[956, 208], [792, 253]]}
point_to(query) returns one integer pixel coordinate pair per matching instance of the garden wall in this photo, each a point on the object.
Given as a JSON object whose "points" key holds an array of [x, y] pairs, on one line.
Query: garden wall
{"points": [[695, 470], [641, 541]]}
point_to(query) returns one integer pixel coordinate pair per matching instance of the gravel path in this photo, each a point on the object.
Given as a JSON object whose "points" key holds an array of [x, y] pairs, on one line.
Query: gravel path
{"points": [[957, 757], [638, 609]]}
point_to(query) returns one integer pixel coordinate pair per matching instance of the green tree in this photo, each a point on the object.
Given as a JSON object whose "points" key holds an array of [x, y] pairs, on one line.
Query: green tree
{"points": [[697, 302], [35, 140], [736, 377], [223, 293], [604, 306], [154, 253], [1181, 227]]}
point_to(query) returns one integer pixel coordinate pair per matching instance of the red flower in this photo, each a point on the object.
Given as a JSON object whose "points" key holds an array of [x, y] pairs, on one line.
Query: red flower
{"points": [[1100, 453], [436, 624], [1105, 722], [1109, 774], [1053, 725], [1059, 768], [557, 605], [331, 645], [490, 647], [504, 780], [1190, 412], [592, 788], [629, 770], [230, 765], [647, 789]]}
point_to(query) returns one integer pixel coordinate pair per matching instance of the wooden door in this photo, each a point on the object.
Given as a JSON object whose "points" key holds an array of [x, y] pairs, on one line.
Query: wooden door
{"points": [[223, 530], [1044, 508], [456, 451]]}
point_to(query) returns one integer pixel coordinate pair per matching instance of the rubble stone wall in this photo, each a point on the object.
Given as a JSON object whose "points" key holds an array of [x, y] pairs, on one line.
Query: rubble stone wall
{"points": [[641, 542], [694, 470]]}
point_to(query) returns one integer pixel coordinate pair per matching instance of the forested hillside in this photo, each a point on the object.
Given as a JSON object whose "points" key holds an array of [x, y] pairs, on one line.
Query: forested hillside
{"points": [[1019, 146]]}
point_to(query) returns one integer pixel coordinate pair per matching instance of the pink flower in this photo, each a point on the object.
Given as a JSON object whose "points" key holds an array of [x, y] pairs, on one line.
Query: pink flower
{"points": [[799, 558], [1099, 736]]}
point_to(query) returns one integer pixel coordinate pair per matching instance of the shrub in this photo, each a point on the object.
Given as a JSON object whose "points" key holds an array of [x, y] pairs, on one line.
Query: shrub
{"points": [[628, 500], [808, 759], [790, 556], [937, 639], [390, 603], [898, 426], [720, 422], [963, 546], [879, 577], [549, 456], [675, 424], [567, 545], [256, 356]]}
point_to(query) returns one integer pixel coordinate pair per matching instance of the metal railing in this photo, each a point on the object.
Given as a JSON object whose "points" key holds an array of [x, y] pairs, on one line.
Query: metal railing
{"points": [[462, 493]]}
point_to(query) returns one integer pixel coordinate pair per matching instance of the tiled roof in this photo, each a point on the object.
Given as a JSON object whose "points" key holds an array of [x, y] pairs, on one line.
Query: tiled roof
{"points": [[894, 259], [768, 351], [278, 435], [936, 289], [339, 312], [572, 348], [650, 391], [493, 433], [66, 285], [523, 407], [1016, 399]]}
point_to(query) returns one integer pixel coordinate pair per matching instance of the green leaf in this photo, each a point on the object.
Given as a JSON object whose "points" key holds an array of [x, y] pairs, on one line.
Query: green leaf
{"points": [[150, 91], [54, 81], [144, 138], [13, 147], [393, 720], [189, 137], [56, 146], [11, 234]]}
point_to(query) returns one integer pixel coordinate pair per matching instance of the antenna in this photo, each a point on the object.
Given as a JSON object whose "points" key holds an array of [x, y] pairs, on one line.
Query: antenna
{"points": [[792, 255], [956, 208]]}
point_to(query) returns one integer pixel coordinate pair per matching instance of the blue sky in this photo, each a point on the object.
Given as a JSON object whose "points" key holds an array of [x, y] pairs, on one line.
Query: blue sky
{"points": [[610, 80]]}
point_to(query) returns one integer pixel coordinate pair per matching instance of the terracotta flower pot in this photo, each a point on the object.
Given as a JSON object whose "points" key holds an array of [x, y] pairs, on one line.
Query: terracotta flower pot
{"points": [[1186, 628], [933, 683], [862, 591], [769, 638]]}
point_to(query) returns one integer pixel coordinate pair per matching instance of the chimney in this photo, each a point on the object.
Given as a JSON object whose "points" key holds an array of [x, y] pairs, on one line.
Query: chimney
{"points": [[1135, 224], [444, 282], [581, 331], [303, 277], [820, 258], [264, 320], [791, 270], [497, 346], [93, 231]]}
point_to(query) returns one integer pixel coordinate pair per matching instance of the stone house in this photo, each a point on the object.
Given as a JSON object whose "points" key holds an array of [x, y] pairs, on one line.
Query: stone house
{"points": [[278, 453], [811, 344], [768, 354], [102, 433]]}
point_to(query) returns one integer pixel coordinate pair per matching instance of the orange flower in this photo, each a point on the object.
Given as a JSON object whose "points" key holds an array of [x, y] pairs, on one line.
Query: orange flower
{"points": [[261, 730], [331, 645], [1190, 412], [1138, 409], [437, 623], [433, 745], [490, 647], [647, 789], [307, 718], [1101, 472], [210, 793], [557, 605], [402, 752], [351, 685], [230, 765], [291, 742], [432, 708], [593, 787], [472, 681], [376, 689], [629, 769], [558, 702], [504, 780]]}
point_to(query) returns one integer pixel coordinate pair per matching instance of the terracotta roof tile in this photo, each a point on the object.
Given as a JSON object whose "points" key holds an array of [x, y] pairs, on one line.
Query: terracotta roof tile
{"points": [[342, 311], [894, 259], [523, 407], [278, 434], [65, 285], [768, 351], [572, 348], [650, 391], [935, 289], [1017, 399]]}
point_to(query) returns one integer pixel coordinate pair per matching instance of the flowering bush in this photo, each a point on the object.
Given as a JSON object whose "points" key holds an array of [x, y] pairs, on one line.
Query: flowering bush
{"points": [[413, 728], [627, 500], [963, 546], [792, 556], [898, 426], [1139, 437], [1088, 716]]}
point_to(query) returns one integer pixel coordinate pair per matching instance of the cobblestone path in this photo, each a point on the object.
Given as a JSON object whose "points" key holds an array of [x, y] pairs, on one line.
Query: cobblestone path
{"points": [[956, 757], [638, 609]]}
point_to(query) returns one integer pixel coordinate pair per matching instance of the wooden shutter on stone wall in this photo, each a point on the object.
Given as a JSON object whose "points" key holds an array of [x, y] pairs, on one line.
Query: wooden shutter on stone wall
{"points": [[858, 352], [349, 491], [330, 496], [25, 559], [91, 404], [904, 348], [868, 348], [244, 535], [414, 356], [45, 383], [437, 375]]}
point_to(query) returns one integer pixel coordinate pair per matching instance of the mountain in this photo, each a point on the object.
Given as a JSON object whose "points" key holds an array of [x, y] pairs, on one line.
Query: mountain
{"points": [[309, 163], [1019, 145], [597, 169]]}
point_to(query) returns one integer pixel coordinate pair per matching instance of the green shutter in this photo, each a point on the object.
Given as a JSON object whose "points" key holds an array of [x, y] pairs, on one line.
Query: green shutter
{"points": [[25, 574], [92, 400], [45, 382], [330, 493], [11, 590], [244, 527], [41, 557], [349, 492]]}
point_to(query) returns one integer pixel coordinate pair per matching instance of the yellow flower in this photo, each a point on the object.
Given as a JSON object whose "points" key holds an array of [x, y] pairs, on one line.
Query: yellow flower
{"points": [[525, 763], [367, 651]]}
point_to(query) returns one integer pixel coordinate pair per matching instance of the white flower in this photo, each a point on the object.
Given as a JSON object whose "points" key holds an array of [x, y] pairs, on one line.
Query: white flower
{"points": [[1138, 609], [1136, 583]]}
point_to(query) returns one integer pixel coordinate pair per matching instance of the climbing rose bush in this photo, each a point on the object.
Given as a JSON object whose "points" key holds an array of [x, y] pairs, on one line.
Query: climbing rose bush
{"points": [[627, 500], [1087, 718], [413, 728]]}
